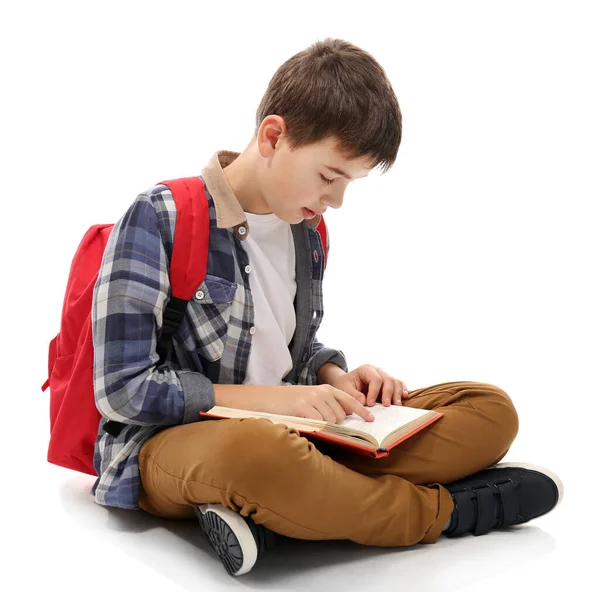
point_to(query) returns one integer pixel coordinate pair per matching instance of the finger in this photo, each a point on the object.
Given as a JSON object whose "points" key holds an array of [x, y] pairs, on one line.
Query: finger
{"points": [[339, 412], [351, 405], [375, 383], [389, 387], [360, 397], [309, 412], [397, 398], [325, 410]]}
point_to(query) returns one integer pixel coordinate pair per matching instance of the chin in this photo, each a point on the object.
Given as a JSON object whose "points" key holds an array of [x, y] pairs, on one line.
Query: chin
{"points": [[290, 218]]}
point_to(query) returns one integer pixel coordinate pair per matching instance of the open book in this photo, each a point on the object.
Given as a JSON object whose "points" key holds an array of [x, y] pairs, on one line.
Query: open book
{"points": [[376, 438]]}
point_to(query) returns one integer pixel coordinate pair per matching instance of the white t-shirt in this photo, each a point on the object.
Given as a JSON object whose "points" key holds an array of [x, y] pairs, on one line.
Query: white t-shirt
{"points": [[272, 256]]}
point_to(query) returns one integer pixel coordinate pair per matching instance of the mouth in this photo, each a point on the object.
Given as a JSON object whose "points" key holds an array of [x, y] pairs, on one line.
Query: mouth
{"points": [[309, 214]]}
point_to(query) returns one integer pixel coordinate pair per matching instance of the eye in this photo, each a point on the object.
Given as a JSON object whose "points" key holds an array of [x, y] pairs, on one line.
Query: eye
{"points": [[326, 180]]}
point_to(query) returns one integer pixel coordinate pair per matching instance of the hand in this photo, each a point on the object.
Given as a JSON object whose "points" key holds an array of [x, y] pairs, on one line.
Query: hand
{"points": [[356, 382], [323, 401]]}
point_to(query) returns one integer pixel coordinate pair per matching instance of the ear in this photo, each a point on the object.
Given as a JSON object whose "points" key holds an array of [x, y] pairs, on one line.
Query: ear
{"points": [[270, 134]]}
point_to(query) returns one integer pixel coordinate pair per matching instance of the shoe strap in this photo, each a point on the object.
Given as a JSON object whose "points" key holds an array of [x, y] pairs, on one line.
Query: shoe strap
{"points": [[510, 506], [462, 516], [486, 510]]}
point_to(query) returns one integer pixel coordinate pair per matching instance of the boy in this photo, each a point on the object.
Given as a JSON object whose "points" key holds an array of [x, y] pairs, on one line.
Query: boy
{"points": [[248, 340]]}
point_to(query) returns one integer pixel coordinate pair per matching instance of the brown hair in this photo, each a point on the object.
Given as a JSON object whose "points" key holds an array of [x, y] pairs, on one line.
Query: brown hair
{"points": [[335, 89]]}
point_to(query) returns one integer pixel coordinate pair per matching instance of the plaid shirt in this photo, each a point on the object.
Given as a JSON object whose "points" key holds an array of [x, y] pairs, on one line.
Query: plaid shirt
{"points": [[213, 343]]}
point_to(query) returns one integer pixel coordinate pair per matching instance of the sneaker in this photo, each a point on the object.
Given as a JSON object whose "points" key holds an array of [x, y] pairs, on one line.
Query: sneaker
{"points": [[237, 540], [502, 495]]}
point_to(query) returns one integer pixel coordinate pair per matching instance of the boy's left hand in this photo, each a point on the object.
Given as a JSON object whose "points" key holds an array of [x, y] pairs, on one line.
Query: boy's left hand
{"points": [[357, 381]]}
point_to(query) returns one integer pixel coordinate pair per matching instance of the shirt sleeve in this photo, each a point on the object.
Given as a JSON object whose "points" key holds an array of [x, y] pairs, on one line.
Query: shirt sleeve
{"points": [[130, 296], [319, 355]]}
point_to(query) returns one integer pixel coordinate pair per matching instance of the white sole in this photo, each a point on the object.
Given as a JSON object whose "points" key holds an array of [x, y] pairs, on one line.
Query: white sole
{"points": [[545, 471], [240, 530]]}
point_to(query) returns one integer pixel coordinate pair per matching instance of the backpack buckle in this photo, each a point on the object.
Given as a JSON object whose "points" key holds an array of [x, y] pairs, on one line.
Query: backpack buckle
{"points": [[114, 428]]}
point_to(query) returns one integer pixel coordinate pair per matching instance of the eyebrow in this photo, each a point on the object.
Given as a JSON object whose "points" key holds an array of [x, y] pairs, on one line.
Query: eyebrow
{"points": [[340, 172]]}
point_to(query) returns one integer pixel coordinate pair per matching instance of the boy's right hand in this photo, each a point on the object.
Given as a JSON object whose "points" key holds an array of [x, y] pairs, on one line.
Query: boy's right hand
{"points": [[323, 401]]}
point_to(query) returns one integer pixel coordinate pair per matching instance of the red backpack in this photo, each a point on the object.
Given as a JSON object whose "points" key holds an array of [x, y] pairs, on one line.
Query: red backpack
{"points": [[74, 417]]}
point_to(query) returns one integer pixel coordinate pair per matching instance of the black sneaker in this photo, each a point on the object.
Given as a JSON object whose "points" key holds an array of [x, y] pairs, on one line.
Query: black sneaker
{"points": [[237, 540], [502, 495]]}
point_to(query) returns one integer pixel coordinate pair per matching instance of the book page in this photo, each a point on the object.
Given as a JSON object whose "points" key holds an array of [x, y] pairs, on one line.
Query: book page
{"points": [[292, 421], [387, 419]]}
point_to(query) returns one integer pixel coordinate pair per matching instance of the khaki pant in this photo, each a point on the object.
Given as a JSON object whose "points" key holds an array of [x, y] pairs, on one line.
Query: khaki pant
{"points": [[281, 480]]}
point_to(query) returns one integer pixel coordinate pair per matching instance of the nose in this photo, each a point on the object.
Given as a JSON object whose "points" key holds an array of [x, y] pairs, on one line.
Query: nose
{"points": [[334, 200]]}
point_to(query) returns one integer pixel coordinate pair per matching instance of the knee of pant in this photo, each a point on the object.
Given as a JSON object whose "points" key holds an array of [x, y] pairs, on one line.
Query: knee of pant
{"points": [[253, 445], [502, 413]]}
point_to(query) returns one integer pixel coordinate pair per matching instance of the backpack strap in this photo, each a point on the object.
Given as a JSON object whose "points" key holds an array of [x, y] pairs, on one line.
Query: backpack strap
{"points": [[322, 229], [189, 259]]}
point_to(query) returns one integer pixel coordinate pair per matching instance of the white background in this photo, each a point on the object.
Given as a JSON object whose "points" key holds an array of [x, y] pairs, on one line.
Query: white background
{"points": [[474, 258]]}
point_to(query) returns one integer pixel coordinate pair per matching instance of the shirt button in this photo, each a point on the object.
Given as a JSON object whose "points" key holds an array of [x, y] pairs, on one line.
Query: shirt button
{"points": [[248, 269], [199, 295], [252, 330], [242, 230]]}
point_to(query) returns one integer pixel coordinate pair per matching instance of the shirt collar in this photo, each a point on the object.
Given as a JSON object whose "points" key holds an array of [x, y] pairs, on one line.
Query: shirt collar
{"points": [[228, 210]]}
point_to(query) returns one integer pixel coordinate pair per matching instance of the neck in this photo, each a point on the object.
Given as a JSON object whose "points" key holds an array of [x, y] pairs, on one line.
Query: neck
{"points": [[241, 175]]}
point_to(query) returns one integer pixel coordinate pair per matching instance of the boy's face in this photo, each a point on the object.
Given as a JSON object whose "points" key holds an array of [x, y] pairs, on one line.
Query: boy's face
{"points": [[294, 182]]}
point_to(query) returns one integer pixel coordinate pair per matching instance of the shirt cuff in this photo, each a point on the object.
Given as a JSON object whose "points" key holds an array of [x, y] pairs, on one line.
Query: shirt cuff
{"points": [[198, 394], [308, 375]]}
